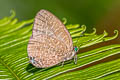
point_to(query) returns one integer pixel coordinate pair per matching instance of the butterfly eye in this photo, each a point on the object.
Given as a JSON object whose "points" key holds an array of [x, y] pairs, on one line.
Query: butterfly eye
{"points": [[75, 49]]}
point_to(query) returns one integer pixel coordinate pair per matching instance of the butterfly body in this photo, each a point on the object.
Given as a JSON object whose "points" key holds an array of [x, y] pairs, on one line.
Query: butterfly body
{"points": [[50, 42]]}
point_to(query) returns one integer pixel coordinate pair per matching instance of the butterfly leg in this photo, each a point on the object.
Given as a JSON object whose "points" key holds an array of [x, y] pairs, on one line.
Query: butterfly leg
{"points": [[62, 63], [75, 59]]}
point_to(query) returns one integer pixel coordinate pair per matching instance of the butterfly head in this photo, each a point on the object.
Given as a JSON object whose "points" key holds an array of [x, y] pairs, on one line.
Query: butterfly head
{"points": [[76, 49]]}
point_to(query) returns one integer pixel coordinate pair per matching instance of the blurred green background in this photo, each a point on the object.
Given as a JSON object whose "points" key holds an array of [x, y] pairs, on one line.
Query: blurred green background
{"points": [[89, 12], [102, 14]]}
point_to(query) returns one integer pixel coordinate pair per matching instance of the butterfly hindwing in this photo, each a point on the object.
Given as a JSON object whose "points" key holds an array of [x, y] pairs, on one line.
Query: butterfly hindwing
{"points": [[46, 51]]}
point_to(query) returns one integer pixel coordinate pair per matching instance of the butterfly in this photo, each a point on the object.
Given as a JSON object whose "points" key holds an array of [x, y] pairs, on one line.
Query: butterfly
{"points": [[50, 43]]}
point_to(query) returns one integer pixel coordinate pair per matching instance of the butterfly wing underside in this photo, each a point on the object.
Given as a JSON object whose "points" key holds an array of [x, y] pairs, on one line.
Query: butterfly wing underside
{"points": [[44, 48], [50, 40], [46, 23]]}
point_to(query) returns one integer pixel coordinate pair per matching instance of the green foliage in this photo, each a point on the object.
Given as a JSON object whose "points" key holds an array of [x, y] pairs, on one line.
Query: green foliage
{"points": [[14, 63], [94, 72]]}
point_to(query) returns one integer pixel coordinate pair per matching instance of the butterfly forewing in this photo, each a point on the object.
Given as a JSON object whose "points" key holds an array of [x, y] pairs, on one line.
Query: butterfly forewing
{"points": [[46, 23]]}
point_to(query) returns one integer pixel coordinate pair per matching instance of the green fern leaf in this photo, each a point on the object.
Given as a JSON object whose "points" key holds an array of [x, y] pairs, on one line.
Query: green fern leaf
{"points": [[92, 73], [14, 63]]}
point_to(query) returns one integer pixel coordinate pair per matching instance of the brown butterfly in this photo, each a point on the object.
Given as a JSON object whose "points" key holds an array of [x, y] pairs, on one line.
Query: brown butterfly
{"points": [[50, 42]]}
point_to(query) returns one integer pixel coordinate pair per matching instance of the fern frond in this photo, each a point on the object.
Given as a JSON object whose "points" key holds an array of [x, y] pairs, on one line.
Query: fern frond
{"points": [[14, 63], [92, 73]]}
